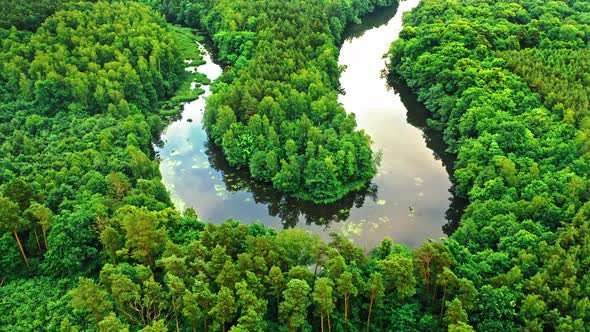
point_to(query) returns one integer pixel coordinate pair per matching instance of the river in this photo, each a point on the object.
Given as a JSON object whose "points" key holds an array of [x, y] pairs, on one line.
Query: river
{"points": [[408, 198]]}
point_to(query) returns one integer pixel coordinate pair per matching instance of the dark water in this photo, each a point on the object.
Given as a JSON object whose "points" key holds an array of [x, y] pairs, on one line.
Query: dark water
{"points": [[407, 200]]}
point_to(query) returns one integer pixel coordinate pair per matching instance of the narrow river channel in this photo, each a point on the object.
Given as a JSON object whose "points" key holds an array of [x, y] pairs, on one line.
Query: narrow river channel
{"points": [[406, 201]]}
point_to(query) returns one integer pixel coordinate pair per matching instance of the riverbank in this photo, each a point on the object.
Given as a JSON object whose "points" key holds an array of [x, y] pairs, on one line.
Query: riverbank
{"points": [[192, 81]]}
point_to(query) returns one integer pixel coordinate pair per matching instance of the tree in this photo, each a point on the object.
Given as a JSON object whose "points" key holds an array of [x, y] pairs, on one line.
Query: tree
{"points": [[398, 272], [496, 307], [198, 303], [276, 284], [252, 308], [10, 221], [424, 256], [224, 309], [154, 299], [322, 296], [301, 273], [111, 323], [42, 215], [346, 287], [112, 241], [431, 258], [321, 181], [88, 297], [140, 164], [444, 280], [127, 296], [455, 312], [288, 179], [298, 246], [144, 236], [227, 275], [20, 193], [191, 310], [156, 326], [336, 265], [460, 327], [466, 292], [293, 309], [118, 185], [66, 326], [176, 288], [532, 310], [375, 285]]}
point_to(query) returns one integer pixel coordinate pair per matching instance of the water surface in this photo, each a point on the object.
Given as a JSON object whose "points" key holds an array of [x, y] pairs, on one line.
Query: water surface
{"points": [[407, 199]]}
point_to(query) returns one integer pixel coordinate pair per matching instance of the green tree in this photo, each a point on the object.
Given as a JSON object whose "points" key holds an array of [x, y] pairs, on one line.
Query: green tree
{"points": [[42, 216], [398, 272], [224, 309], [276, 284], [252, 308], [20, 193], [156, 326], [176, 289], [444, 280], [192, 311], [346, 287], [293, 309], [455, 313], [118, 185], [198, 303], [89, 298], [112, 241], [322, 297], [66, 326], [141, 166], [112, 323], [375, 286], [144, 237], [10, 221]]}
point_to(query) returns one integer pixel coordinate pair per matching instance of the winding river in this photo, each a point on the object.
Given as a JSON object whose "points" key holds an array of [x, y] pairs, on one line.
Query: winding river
{"points": [[408, 200]]}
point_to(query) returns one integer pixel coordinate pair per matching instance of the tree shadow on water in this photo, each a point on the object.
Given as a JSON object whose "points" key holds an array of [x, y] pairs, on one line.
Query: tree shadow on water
{"points": [[290, 210], [418, 116], [377, 18]]}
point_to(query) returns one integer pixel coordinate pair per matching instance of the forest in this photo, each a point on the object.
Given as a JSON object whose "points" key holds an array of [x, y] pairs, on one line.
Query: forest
{"points": [[91, 241], [507, 83]]}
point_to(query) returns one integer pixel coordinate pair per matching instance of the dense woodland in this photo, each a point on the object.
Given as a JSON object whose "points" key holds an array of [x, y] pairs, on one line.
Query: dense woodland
{"points": [[507, 82], [27, 15], [91, 242]]}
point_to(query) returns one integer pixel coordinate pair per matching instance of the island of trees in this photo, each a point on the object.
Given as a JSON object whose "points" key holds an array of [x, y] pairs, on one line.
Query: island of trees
{"points": [[90, 239], [275, 109]]}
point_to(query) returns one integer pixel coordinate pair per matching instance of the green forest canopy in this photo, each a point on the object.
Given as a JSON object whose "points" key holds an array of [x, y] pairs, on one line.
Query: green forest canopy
{"points": [[505, 82], [90, 240]]}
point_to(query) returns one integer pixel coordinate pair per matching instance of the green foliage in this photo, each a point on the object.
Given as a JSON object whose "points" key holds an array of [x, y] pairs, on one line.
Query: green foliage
{"points": [[112, 323], [81, 194], [36, 304], [323, 298], [225, 309], [87, 297], [506, 83], [77, 115], [52, 142], [107, 72], [294, 308], [27, 15]]}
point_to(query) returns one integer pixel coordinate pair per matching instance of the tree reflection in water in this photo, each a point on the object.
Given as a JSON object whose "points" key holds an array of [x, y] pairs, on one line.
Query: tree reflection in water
{"points": [[290, 210], [418, 116]]}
